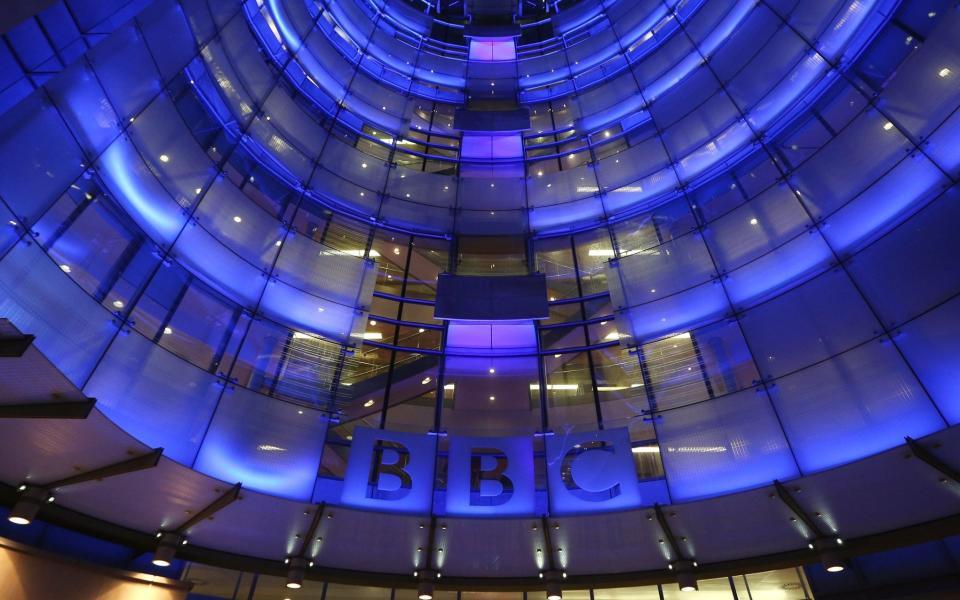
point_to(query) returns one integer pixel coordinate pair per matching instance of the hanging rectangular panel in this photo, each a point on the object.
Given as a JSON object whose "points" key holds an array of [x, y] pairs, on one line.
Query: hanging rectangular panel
{"points": [[493, 298]]}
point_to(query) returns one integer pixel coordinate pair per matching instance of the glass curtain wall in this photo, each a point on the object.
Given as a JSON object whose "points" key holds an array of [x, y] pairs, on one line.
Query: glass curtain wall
{"points": [[212, 582]]}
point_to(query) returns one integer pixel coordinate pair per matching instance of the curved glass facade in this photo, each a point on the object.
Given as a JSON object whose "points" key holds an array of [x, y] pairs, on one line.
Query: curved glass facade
{"points": [[226, 221]]}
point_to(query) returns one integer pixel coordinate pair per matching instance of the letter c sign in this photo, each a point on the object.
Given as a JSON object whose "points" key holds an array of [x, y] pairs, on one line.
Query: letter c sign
{"points": [[591, 472]]}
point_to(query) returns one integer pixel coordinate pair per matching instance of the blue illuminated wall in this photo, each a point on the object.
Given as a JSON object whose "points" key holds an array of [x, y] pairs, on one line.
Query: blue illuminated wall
{"points": [[195, 234]]}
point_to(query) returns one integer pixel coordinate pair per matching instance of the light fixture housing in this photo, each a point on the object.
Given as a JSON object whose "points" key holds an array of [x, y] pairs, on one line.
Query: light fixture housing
{"points": [[28, 504], [554, 591], [166, 548], [554, 587], [426, 578], [686, 579], [296, 572], [425, 590], [830, 557]]}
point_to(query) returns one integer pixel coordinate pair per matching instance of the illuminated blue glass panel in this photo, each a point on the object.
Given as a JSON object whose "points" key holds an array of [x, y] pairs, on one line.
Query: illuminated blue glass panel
{"points": [[723, 445], [85, 107], [931, 345], [167, 35], [814, 321], [778, 270], [40, 299], [269, 446], [136, 189], [754, 228], [852, 406], [125, 68], [158, 398], [674, 314], [908, 185], [218, 266], [914, 267], [36, 145]]}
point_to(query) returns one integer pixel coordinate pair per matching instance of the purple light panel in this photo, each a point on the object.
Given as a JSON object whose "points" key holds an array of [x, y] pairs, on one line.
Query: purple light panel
{"points": [[491, 49], [491, 146]]}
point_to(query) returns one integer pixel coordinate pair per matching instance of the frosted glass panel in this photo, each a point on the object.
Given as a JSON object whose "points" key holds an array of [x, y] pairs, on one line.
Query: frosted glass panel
{"points": [[779, 269], [664, 270], [40, 299], [36, 145], [723, 445], [160, 399], [855, 405], [268, 445], [673, 314], [914, 267], [931, 345], [136, 189], [126, 70], [818, 319], [85, 107]]}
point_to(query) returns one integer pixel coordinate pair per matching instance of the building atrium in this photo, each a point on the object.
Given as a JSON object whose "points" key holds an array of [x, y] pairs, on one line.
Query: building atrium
{"points": [[480, 299]]}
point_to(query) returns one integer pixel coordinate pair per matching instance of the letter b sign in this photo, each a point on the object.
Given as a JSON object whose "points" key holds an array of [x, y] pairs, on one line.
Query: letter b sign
{"points": [[490, 476], [390, 470]]}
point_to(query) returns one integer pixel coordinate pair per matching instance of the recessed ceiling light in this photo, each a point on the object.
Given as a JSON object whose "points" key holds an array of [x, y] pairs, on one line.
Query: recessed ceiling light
{"points": [[167, 331], [237, 219], [164, 158], [118, 303], [65, 268], [943, 72]]}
